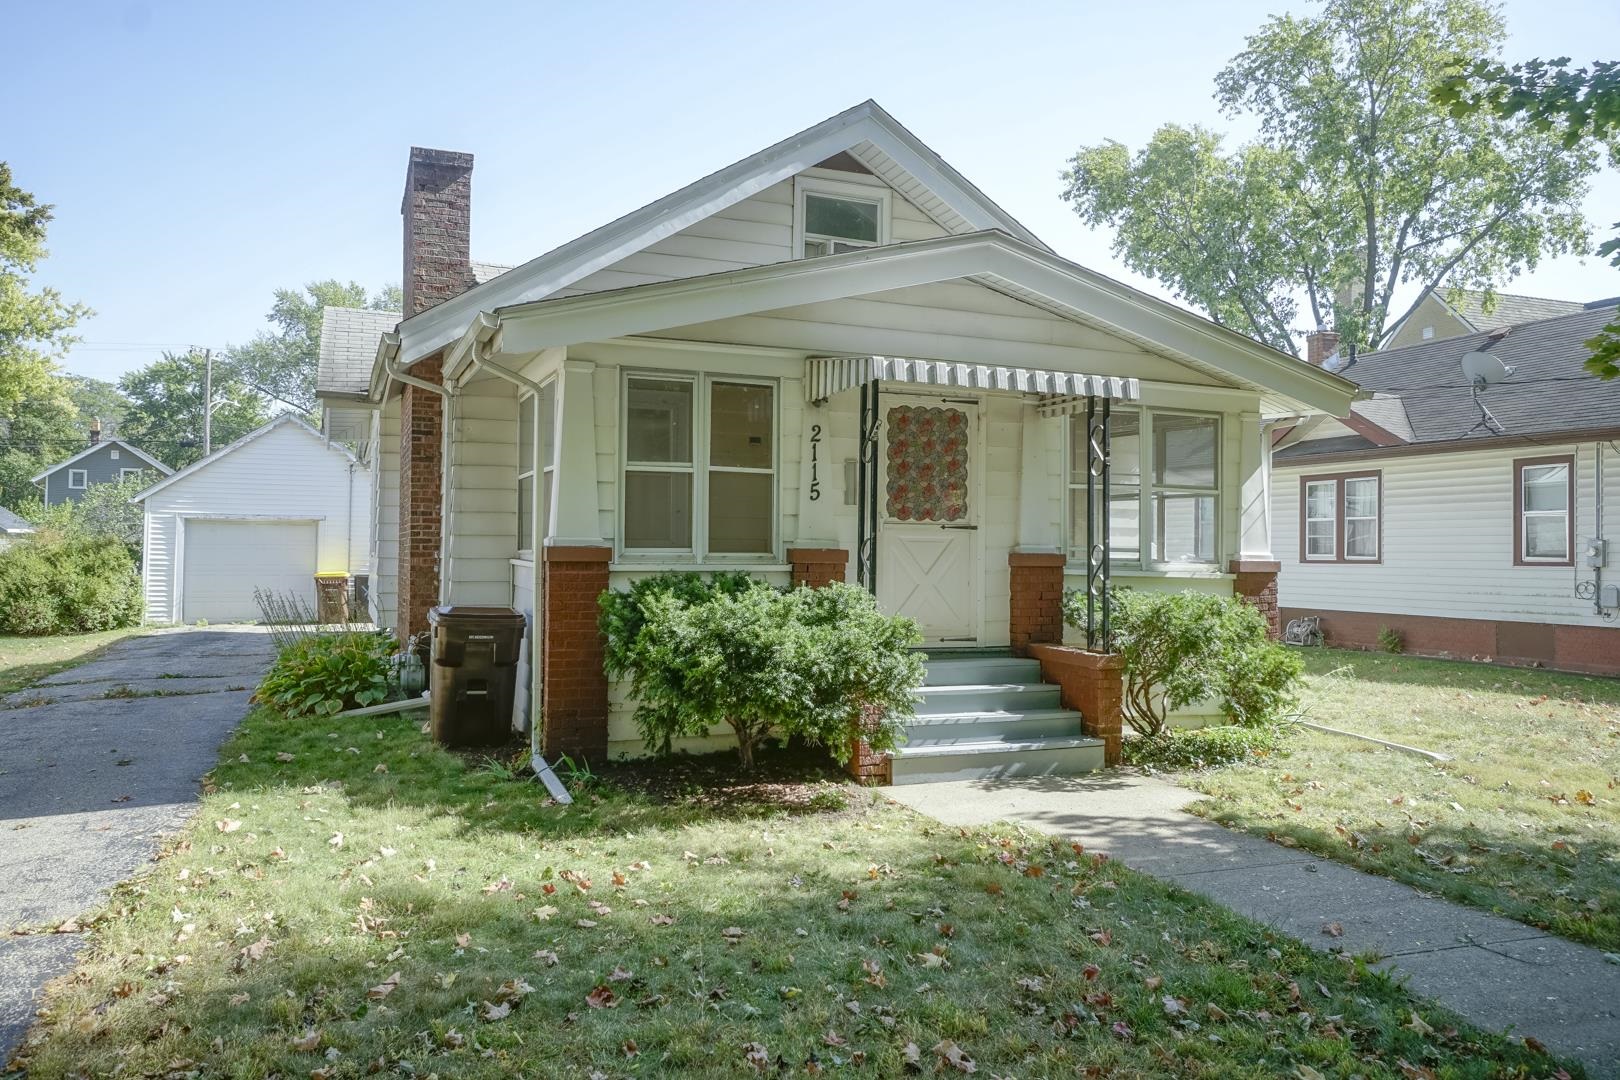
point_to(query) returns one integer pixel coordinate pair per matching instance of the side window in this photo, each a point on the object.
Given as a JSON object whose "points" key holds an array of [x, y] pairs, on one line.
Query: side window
{"points": [[1543, 495], [1340, 518], [77, 479], [832, 217], [1321, 519]]}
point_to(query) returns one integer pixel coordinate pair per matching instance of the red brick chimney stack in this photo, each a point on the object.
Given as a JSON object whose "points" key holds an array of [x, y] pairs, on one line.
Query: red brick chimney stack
{"points": [[1319, 345], [438, 227], [95, 431]]}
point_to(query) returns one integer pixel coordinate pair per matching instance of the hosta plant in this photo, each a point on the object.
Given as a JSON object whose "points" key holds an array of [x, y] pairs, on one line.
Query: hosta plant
{"points": [[328, 673]]}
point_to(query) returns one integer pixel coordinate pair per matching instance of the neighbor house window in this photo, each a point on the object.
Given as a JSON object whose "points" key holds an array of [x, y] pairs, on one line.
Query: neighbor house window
{"points": [[1542, 497], [125, 474], [699, 465], [77, 479], [834, 217], [537, 454], [1178, 454], [1341, 517]]}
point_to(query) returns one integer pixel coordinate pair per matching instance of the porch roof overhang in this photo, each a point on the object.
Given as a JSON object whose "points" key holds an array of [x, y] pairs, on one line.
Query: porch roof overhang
{"points": [[829, 375]]}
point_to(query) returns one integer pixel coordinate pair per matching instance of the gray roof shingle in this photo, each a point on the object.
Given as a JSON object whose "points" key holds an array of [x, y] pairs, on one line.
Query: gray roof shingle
{"points": [[1507, 309], [1549, 393], [349, 339], [12, 524], [483, 272]]}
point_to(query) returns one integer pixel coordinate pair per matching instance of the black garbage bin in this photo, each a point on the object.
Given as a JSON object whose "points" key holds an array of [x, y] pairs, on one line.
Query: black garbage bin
{"points": [[475, 655]]}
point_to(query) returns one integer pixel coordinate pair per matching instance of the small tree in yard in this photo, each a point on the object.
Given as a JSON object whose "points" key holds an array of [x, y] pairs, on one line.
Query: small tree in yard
{"points": [[738, 652], [1180, 648]]}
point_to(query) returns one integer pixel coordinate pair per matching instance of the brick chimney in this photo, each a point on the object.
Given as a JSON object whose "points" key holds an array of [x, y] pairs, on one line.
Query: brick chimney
{"points": [[438, 224], [95, 431], [437, 212], [1319, 345]]}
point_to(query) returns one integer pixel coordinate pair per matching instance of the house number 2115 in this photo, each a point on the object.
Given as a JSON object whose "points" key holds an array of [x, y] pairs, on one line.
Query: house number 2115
{"points": [[815, 462]]}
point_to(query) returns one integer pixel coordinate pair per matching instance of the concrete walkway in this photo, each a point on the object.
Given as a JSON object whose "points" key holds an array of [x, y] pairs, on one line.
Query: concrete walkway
{"points": [[89, 783], [1499, 974]]}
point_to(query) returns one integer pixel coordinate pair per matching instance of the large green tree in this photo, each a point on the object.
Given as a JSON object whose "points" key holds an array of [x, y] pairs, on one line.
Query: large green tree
{"points": [[165, 415], [1578, 105], [282, 363], [35, 323], [1357, 187], [36, 431]]}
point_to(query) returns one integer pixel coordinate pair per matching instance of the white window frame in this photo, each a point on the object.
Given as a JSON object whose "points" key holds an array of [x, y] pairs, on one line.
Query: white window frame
{"points": [[528, 399], [113, 454], [699, 469], [540, 530], [1148, 527], [1378, 508], [83, 477], [836, 189], [125, 473], [1332, 554], [1521, 470]]}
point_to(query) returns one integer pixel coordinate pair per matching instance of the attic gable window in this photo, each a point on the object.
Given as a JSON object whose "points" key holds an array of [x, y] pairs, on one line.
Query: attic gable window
{"points": [[833, 217]]}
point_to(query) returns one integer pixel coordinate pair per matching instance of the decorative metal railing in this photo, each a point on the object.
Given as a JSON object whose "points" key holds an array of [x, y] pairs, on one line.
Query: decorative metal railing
{"points": [[1099, 629]]}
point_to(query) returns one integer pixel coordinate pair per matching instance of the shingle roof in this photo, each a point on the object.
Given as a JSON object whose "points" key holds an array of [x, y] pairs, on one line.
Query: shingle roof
{"points": [[483, 272], [1507, 309], [11, 523], [349, 339], [1549, 393]]}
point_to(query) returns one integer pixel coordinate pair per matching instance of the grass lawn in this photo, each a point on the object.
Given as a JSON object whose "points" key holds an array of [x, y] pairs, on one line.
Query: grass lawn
{"points": [[353, 901], [25, 660], [1524, 821]]}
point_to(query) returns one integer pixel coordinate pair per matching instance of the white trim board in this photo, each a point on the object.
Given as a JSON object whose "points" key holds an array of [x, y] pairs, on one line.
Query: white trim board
{"points": [[87, 451], [264, 429]]}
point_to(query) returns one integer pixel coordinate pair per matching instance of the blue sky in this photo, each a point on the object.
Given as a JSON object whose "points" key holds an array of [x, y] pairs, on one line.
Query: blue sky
{"points": [[201, 155]]}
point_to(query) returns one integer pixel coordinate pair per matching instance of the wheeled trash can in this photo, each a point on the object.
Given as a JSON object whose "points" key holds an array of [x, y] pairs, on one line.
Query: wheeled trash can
{"points": [[475, 655]]}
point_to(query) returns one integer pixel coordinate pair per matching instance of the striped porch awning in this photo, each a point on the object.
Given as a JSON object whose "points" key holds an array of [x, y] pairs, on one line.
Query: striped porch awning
{"points": [[829, 375]]}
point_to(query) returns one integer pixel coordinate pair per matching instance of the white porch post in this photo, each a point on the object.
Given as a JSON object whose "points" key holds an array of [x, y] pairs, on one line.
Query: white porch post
{"points": [[1040, 482], [1254, 507], [576, 521]]}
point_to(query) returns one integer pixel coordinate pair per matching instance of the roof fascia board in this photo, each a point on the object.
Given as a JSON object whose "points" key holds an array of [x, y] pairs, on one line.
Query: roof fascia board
{"points": [[1550, 440], [87, 451], [646, 308], [263, 429]]}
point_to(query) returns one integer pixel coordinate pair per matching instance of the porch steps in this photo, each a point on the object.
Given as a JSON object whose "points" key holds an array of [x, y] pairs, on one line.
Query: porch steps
{"points": [[983, 716]]}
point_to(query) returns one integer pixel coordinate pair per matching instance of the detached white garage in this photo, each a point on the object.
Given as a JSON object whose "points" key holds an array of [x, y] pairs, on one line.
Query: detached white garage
{"points": [[270, 511]]}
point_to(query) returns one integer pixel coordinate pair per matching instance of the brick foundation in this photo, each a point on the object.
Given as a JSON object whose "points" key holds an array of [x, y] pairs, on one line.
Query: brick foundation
{"points": [[816, 567], [1257, 583], [868, 766], [421, 492], [1092, 684], [1035, 612], [1590, 650], [574, 708]]}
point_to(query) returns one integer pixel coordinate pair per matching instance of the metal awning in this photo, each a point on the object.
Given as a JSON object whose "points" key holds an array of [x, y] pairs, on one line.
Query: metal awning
{"points": [[829, 375]]}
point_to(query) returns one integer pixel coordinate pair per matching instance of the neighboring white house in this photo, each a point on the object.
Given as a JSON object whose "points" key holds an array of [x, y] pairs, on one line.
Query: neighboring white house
{"points": [[271, 510], [692, 385], [1477, 524]]}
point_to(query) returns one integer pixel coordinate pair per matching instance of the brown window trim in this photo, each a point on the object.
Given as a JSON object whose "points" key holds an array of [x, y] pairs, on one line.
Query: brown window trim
{"points": [[1338, 479], [1518, 510]]}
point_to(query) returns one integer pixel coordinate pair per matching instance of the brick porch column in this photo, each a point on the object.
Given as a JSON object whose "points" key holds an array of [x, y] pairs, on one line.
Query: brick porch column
{"points": [[815, 567], [1091, 683], [1257, 584], [421, 491], [1036, 607], [574, 710]]}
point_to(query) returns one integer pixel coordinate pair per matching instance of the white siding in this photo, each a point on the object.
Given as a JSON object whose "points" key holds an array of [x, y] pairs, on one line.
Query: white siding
{"points": [[288, 473], [384, 505], [1447, 540], [482, 483]]}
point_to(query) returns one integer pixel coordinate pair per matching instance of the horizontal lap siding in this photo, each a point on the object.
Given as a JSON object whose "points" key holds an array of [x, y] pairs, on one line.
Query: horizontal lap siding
{"points": [[157, 566], [1447, 541], [385, 512], [483, 494]]}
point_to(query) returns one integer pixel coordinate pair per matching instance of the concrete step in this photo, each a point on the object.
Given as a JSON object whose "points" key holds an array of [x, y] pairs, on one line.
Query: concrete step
{"points": [[988, 697], [996, 726], [988, 760], [972, 670]]}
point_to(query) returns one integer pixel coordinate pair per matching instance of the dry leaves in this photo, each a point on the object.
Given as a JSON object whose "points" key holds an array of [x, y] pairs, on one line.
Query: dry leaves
{"points": [[384, 988]]}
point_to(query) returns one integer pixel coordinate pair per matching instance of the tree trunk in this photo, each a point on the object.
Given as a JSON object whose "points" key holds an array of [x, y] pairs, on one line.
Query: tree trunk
{"points": [[745, 746]]}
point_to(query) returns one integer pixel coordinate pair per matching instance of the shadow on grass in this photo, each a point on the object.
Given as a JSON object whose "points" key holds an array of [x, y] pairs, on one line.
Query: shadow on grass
{"points": [[21, 676], [1464, 675]]}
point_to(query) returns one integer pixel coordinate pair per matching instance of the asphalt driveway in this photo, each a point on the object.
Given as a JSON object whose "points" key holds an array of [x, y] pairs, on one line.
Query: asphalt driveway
{"points": [[98, 763]]}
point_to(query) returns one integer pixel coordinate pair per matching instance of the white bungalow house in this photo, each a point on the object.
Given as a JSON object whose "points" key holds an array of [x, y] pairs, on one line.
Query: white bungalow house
{"points": [[836, 358]]}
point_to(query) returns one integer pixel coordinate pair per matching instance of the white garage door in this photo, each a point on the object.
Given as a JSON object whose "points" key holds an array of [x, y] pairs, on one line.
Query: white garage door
{"points": [[226, 560]]}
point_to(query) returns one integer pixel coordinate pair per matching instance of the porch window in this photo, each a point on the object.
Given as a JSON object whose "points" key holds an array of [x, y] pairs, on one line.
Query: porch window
{"points": [[700, 466], [525, 475], [1178, 453], [537, 453], [1543, 495], [1185, 486], [1341, 517]]}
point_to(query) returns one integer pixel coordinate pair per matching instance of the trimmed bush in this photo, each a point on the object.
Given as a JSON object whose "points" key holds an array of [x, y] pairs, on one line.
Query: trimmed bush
{"points": [[736, 651], [74, 584], [1183, 647], [327, 673], [1198, 748]]}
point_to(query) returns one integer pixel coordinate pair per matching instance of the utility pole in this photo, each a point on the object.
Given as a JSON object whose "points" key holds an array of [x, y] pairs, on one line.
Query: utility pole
{"points": [[208, 401]]}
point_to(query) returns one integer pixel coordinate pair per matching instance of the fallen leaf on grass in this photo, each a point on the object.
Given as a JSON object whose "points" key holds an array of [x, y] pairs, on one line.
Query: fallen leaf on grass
{"points": [[284, 756], [453, 1040], [757, 1057], [602, 997], [732, 934], [384, 988], [662, 920], [546, 957], [227, 825], [493, 1011], [630, 1048], [337, 840], [463, 940], [1418, 1025], [310, 1041], [951, 1054], [1172, 1005], [543, 912]]}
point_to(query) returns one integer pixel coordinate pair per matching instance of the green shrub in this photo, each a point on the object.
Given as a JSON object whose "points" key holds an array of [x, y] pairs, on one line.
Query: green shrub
{"points": [[1181, 648], [1198, 748], [328, 673], [811, 662], [75, 584], [1391, 640]]}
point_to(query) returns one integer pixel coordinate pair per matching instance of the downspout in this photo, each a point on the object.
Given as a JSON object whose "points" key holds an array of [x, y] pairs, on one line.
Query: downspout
{"points": [[391, 366]]}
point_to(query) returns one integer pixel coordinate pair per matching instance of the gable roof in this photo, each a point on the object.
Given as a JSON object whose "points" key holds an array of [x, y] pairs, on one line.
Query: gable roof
{"points": [[994, 260], [102, 445], [12, 524], [1507, 309], [283, 420], [875, 139], [1549, 393], [349, 339]]}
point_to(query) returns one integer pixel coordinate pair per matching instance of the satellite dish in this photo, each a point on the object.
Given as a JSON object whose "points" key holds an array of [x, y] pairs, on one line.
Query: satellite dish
{"points": [[1485, 369]]}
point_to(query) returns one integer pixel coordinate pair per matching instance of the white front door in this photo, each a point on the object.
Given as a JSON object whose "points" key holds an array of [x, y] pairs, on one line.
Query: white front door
{"points": [[928, 541]]}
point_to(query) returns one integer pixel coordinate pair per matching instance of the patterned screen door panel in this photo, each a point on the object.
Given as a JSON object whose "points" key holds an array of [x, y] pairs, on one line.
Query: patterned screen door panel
{"points": [[926, 547]]}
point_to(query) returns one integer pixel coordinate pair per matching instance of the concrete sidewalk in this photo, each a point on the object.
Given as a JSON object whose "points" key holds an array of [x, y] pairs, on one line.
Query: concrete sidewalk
{"points": [[1499, 974]]}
